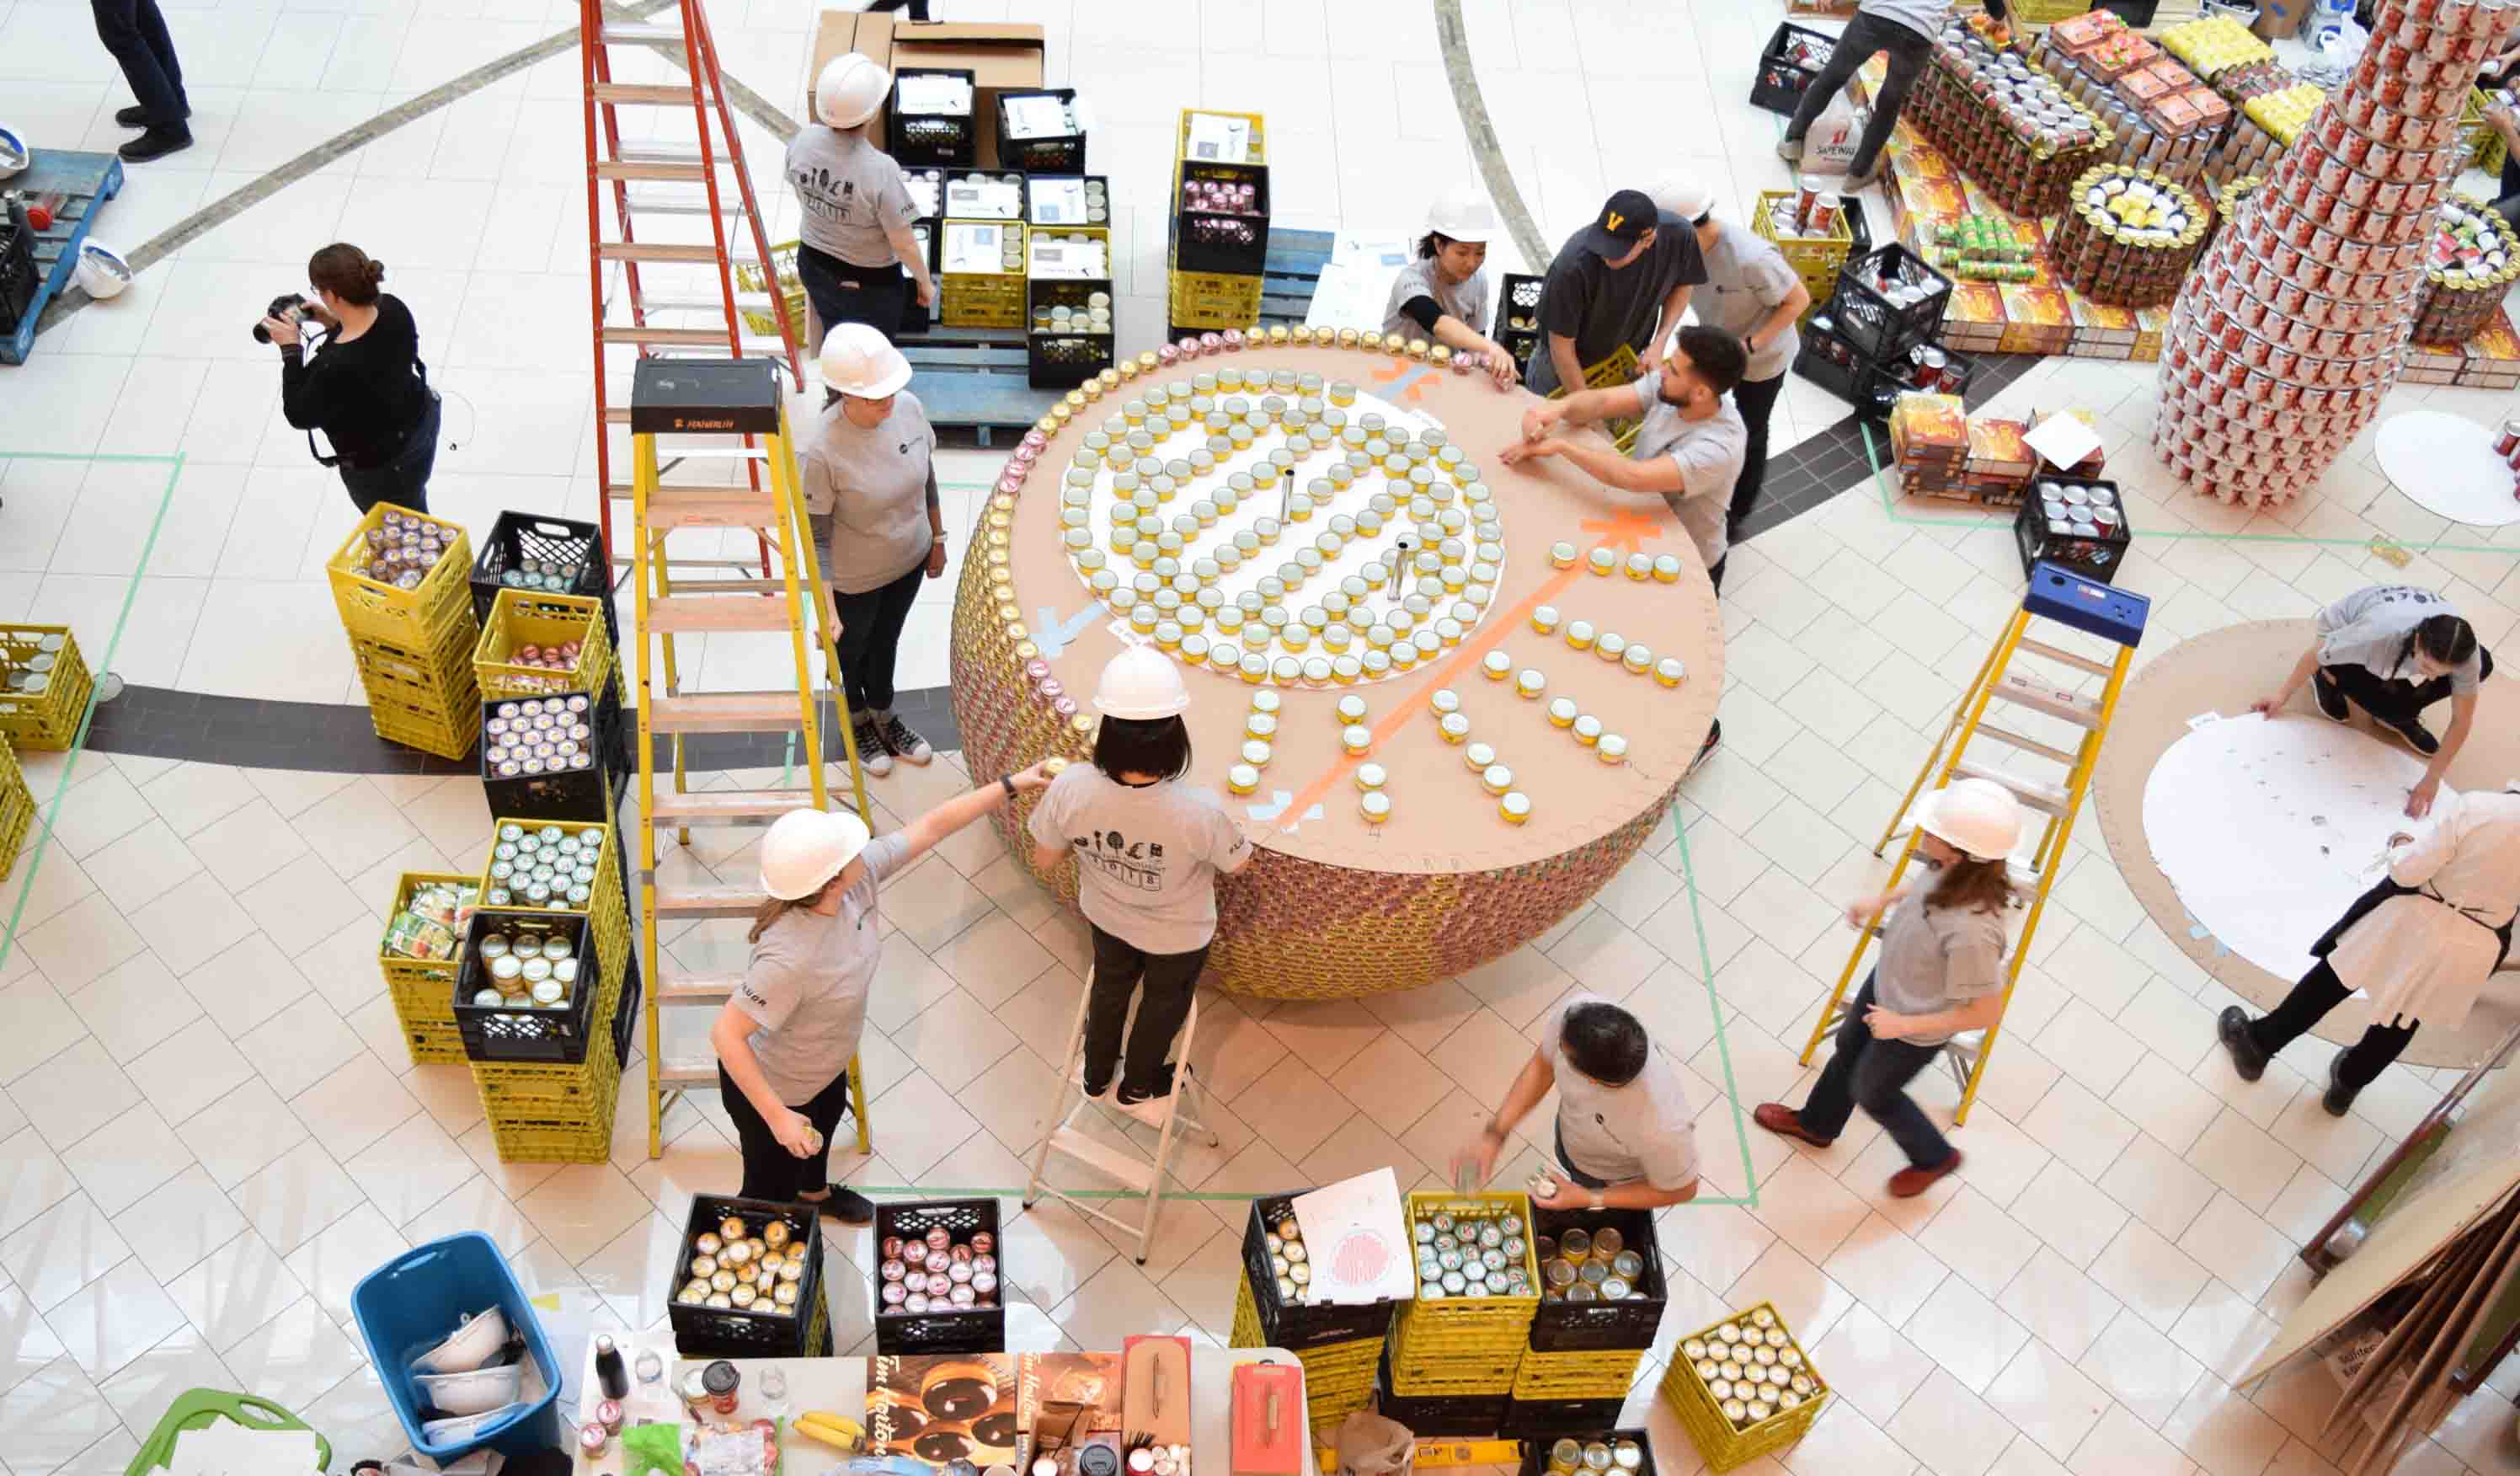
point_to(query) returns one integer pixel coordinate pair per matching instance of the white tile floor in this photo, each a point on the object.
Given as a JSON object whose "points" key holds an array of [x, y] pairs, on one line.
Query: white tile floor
{"points": [[208, 1128]]}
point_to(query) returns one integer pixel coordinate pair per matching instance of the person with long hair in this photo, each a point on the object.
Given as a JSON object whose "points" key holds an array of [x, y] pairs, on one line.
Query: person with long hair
{"points": [[1149, 850], [364, 386], [857, 212], [1442, 296], [2394, 650], [1940, 974], [788, 1033]]}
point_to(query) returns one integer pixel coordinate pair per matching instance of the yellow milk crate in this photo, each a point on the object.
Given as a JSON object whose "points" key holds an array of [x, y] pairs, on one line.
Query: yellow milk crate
{"points": [[17, 808], [1259, 153], [414, 619], [1472, 1315], [2490, 150], [519, 619], [434, 1045], [423, 990], [1816, 259], [1577, 1375], [1213, 300], [424, 728], [552, 1092], [606, 907], [44, 687], [1724, 1444], [785, 287]]}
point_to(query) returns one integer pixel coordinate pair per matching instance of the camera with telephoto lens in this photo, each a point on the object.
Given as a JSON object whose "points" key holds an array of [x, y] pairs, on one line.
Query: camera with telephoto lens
{"points": [[288, 307]]}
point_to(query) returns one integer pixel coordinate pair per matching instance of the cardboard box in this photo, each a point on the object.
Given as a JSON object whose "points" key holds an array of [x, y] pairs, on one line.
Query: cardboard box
{"points": [[1001, 57]]}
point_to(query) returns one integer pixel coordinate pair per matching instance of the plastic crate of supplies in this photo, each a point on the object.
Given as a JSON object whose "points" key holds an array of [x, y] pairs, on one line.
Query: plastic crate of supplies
{"points": [[555, 555], [421, 987], [1213, 135], [1051, 153], [415, 619], [521, 621], [1725, 1443], [1064, 349], [422, 727], [1886, 323], [1787, 65], [607, 902], [789, 298], [1596, 1326], [1298, 1326], [782, 1332], [2096, 552], [527, 1031], [1816, 259], [1210, 239], [947, 1329], [921, 134], [44, 687], [555, 1134], [580, 1095], [415, 1300], [1212, 300], [556, 787], [1067, 199], [439, 679], [1536, 1453], [1440, 1414], [1477, 1315], [17, 808], [1577, 1375], [1517, 315]]}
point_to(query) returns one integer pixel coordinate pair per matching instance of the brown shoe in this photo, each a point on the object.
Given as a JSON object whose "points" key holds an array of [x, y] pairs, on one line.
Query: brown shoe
{"points": [[1784, 1121], [1908, 1183]]}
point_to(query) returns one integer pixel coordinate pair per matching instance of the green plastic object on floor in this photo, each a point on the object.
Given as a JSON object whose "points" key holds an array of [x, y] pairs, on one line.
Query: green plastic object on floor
{"points": [[653, 1447], [196, 1408]]}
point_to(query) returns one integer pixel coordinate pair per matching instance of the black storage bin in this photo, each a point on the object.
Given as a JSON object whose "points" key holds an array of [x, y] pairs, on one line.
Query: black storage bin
{"points": [[1874, 324], [1298, 1326], [1518, 296], [1603, 1326], [952, 1330], [1831, 363], [1781, 79], [930, 138], [1871, 386], [1562, 1416], [17, 276], [2094, 556], [1535, 1454], [531, 543], [1206, 241], [1439, 1413], [1050, 154], [1059, 358], [1857, 229], [528, 1033], [593, 794], [702, 1331]]}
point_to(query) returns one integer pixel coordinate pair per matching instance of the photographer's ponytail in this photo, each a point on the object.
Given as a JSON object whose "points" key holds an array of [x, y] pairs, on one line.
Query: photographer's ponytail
{"points": [[346, 272]]}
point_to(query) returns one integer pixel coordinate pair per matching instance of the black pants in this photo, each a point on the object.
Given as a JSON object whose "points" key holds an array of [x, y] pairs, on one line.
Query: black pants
{"points": [[1865, 35], [871, 638], [1170, 979], [1874, 1073], [404, 480], [770, 1171], [876, 296], [2320, 992], [2394, 700], [135, 32], [917, 8], [1756, 399]]}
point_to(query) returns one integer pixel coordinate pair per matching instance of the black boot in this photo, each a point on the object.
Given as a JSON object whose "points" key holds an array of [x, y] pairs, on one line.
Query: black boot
{"points": [[2233, 1026], [161, 140], [2338, 1100], [133, 116]]}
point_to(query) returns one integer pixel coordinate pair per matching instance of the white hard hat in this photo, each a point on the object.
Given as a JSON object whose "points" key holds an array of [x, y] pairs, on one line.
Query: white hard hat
{"points": [[1684, 195], [1978, 816], [850, 89], [858, 359], [807, 847], [1140, 683], [1462, 213], [101, 273]]}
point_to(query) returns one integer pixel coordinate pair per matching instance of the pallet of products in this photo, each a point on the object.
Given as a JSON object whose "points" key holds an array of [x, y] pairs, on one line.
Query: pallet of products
{"points": [[1454, 1351], [1808, 228], [1068, 290], [2003, 122], [1602, 1295], [938, 1285], [402, 584], [423, 929], [1340, 1343], [2127, 237], [17, 808], [2474, 261], [748, 1281], [1743, 1387], [44, 687]]}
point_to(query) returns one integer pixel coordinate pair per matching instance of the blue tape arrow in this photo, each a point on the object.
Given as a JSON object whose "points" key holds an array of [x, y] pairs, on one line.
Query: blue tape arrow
{"points": [[1280, 798], [1053, 634]]}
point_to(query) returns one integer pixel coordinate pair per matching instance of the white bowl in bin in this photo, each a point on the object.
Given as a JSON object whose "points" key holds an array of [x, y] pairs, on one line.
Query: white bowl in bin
{"points": [[477, 1392], [476, 1342]]}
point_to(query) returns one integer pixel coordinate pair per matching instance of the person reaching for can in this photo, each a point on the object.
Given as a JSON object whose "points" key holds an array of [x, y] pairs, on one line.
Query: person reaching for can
{"points": [[2394, 650], [1442, 295]]}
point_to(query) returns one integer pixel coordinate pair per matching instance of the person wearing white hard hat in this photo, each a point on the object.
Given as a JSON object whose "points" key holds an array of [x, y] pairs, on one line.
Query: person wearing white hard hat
{"points": [[857, 210], [869, 472], [1441, 294], [1149, 850], [786, 1034], [1941, 974], [1752, 292]]}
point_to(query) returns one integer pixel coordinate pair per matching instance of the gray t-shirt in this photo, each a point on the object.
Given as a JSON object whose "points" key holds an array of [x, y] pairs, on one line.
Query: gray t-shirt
{"points": [[1645, 1129], [1746, 278], [1709, 453], [1923, 17], [867, 493], [850, 191], [1146, 859], [1935, 959], [2368, 629], [806, 985], [1419, 279], [1600, 308]]}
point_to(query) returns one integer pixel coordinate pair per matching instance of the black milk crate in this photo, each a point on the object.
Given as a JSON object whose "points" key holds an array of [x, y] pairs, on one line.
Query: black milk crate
{"points": [[2097, 557], [1599, 1326], [931, 138], [1037, 185], [496, 1033], [734, 1332], [1857, 229], [1059, 358], [1535, 1454], [1831, 362], [1562, 1416], [1429, 1414], [530, 541], [952, 1330], [1780, 81], [1518, 296], [955, 209], [1873, 322], [593, 794], [1879, 386], [1300, 1325], [1204, 241], [19, 278], [1048, 154]]}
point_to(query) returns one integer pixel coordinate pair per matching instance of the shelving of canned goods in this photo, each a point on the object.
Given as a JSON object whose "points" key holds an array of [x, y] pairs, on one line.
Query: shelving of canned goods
{"points": [[44, 687]]}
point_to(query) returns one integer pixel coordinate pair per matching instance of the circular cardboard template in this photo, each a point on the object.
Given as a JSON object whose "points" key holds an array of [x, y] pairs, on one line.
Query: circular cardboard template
{"points": [[2445, 464]]}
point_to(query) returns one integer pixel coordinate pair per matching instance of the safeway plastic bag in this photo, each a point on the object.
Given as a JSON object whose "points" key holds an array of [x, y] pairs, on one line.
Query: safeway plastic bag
{"points": [[1829, 147]]}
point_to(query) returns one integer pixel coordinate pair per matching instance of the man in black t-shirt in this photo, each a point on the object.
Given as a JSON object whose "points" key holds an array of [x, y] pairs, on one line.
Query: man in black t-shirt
{"points": [[1623, 279]]}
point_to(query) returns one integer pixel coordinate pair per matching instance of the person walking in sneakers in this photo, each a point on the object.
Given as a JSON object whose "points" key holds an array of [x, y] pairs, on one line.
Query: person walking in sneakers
{"points": [[1940, 974], [135, 32], [2394, 650], [869, 471], [1149, 850], [1905, 31]]}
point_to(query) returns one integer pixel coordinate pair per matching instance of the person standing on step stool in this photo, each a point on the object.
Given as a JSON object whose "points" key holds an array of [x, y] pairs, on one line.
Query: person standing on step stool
{"points": [[2394, 650], [2420, 943], [869, 472], [1940, 974], [1149, 850], [789, 1030]]}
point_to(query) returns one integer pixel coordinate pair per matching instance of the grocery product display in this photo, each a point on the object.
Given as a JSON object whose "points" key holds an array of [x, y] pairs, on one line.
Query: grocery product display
{"points": [[2011, 126], [2127, 236], [2474, 259]]}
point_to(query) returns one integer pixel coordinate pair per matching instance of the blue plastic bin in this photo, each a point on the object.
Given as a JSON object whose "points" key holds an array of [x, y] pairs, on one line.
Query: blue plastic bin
{"points": [[407, 1305]]}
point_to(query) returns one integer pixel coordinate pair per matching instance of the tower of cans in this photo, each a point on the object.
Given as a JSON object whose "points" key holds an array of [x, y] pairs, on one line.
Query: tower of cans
{"points": [[2294, 327]]}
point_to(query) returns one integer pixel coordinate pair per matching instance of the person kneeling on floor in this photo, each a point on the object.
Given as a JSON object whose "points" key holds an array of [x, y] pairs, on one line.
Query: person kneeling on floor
{"points": [[2394, 650], [2420, 943], [1626, 1135], [1941, 974], [1149, 850]]}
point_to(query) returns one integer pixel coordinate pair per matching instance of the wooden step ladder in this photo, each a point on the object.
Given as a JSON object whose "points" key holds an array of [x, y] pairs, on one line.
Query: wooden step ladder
{"points": [[2062, 597], [1140, 1174], [738, 398]]}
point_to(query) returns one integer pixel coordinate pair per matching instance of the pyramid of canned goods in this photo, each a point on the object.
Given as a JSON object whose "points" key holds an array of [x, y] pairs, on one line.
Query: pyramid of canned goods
{"points": [[1338, 1345], [17, 808], [44, 687], [423, 929], [1478, 1287], [1602, 1294], [1743, 1388], [400, 582]]}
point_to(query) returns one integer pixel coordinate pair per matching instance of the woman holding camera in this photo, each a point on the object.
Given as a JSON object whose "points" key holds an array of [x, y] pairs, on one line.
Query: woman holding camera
{"points": [[364, 386]]}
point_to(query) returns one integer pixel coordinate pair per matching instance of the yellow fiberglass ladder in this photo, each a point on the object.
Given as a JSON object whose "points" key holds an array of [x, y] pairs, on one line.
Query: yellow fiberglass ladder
{"points": [[2060, 597], [738, 403]]}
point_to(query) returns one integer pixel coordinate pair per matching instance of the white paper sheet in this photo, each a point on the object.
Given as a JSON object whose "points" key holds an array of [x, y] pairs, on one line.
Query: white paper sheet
{"points": [[2268, 829], [1357, 281], [1353, 1229]]}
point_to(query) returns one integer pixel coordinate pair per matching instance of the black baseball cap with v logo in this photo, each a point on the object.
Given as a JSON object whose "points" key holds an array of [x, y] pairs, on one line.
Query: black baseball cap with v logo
{"points": [[1623, 221]]}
